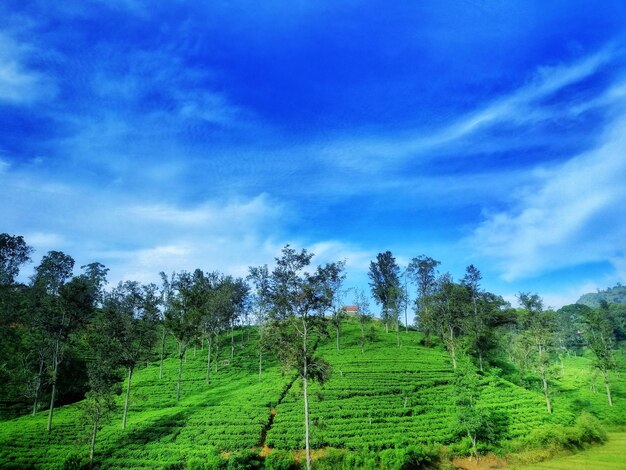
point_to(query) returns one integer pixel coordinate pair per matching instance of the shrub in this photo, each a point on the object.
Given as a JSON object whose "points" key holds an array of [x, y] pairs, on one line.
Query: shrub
{"points": [[244, 460], [75, 461], [333, 459], [280, 460]]}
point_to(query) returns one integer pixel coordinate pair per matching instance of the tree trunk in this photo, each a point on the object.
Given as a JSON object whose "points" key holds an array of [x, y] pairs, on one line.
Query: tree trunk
{"points": [[406, 321], [608, 388], [38, 385], [337, 328], [162, 351], [545, 391], [260, 358], [452, 348], [397, 333], [217, 351], [306, 397], [208, 361], [362, 338], [181, 355], [474, 444], [306, 417], [54, 389], [480, 360], [130, 377], [54, 385], [232, 341], [92, 443]]}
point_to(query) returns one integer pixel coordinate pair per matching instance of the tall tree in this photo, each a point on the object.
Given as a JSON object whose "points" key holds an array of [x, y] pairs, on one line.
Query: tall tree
{"points": [[260, 278], [14, 252], [56, 321], [338, 315], [15, 359], [599, 336], [472, 420], [538, 326], [363, 307], [384, 274], [299, 300], [102, 370], [449, 307], [182, 315], [133, 310], [423, 271]]}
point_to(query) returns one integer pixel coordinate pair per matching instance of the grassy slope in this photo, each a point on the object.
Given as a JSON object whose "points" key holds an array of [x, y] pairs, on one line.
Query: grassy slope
{"points": [[396, 396], [611, 455], [385, 397], [228, 414]]}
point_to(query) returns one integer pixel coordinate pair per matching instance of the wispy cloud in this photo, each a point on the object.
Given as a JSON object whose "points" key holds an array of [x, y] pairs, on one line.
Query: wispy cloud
{"points": [[19, 83], [520, 107], [572, 214]]}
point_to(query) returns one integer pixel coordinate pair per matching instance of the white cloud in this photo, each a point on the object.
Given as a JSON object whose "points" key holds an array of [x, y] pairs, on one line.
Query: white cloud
{"points": [[20, 84], [523, 106], [573, 213]]}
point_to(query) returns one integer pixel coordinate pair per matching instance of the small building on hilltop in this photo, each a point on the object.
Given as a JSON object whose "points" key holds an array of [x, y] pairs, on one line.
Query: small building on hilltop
{"points": [[351, 310]]}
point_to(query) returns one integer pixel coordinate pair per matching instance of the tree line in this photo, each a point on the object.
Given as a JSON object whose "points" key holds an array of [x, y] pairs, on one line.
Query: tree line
{"points": [[66, 337]]}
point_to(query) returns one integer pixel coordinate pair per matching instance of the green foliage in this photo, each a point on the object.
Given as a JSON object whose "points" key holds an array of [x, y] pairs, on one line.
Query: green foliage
{"points": [[244, 460], [616, 294], [280, 460]]}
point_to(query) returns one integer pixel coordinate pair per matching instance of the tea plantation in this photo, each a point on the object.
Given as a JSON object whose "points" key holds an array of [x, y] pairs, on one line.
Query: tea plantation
{"points": [[387, 397]]}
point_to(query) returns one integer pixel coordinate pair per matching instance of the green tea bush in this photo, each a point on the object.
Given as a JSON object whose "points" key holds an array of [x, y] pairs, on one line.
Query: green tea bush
{"points": [[244, 460], [280, 460]]}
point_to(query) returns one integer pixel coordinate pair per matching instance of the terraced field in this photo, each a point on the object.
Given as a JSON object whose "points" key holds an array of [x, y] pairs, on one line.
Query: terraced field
{"points": [[392, 396], [385, 398], [226, 415]]}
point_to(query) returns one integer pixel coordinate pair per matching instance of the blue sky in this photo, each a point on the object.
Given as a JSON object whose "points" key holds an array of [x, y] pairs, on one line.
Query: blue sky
{"points": [[172, 135]]}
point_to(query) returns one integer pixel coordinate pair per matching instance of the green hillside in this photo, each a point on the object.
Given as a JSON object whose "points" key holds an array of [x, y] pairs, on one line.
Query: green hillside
{"points": [[616, 295], [389, 397]]}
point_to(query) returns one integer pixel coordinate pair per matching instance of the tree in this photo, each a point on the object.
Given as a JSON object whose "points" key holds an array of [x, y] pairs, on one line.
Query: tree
{"points": [[298, 300], [449, 306], [363, 306], [182, 315], [133, 312], [102, 370], [385, 284], [538, 333], [423, 271], [55, 320], [600, 339], [260, 278], [14, 252], [15, 359], [338, 315], [472, 420]]}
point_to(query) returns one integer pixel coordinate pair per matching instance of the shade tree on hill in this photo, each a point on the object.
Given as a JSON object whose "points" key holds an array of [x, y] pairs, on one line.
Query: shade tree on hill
{"points": [[423, 271], [107, 357], [132, 312], [384, 274], [599, 337], [449, 306], [14, 252], [56, 321], [537, 339], [363, 308], [182, 315], [260, 305], [298, 301]]}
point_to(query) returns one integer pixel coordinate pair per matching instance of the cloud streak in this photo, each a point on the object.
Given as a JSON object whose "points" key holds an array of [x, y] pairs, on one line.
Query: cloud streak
{"points": [[570, 215]]}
